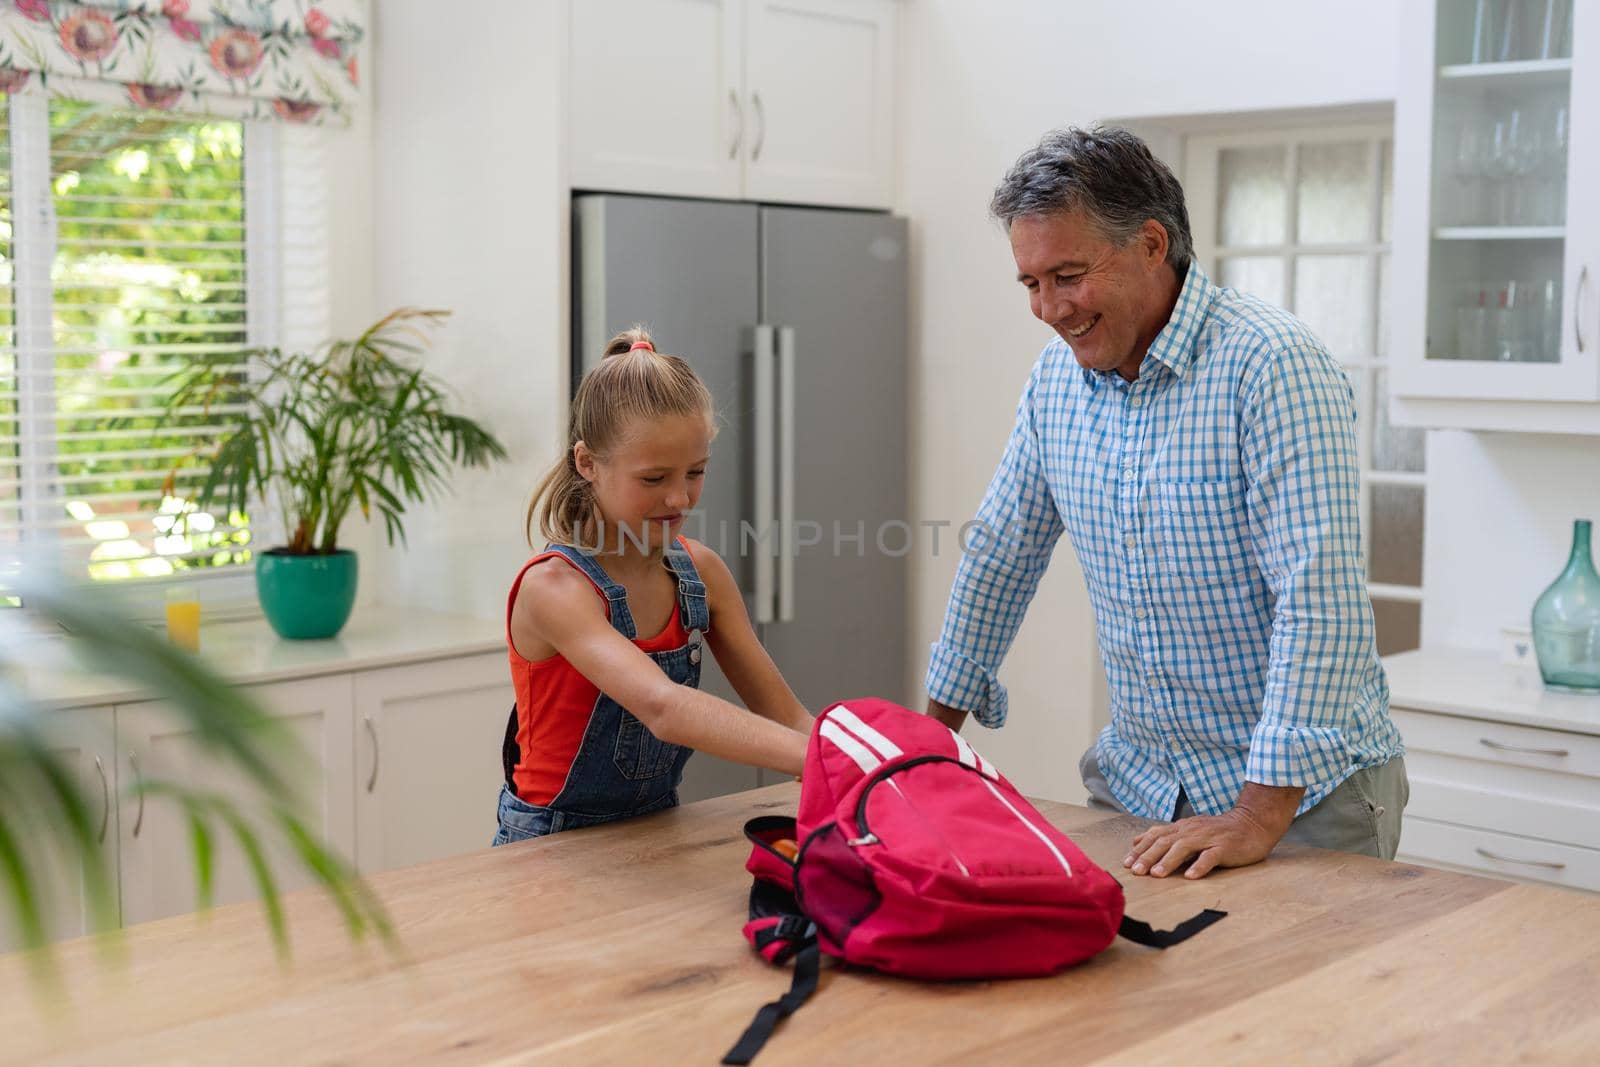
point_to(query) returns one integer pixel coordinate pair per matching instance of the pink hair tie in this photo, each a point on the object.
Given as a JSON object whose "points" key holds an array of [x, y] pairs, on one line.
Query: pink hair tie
{"points": [[646, 345]]}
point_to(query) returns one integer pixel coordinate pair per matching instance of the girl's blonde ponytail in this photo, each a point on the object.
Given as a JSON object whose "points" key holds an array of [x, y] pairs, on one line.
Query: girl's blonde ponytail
{"points": [[632, 384]]}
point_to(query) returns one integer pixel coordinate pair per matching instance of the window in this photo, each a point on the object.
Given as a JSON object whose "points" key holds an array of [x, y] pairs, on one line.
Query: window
{"points": [[132, 242], [1302, 218]]}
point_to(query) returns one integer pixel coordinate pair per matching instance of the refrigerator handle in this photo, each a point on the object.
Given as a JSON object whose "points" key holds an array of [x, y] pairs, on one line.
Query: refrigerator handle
{"points": [[766, 436], [786, 527]]}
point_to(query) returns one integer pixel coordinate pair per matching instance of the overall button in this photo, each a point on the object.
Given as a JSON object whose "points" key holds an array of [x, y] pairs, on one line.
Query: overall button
{"points": [[694, 647]]}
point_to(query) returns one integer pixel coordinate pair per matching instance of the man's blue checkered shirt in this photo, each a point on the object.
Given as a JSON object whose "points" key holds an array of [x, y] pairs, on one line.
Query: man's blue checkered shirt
{"points": [[1213, 503]]}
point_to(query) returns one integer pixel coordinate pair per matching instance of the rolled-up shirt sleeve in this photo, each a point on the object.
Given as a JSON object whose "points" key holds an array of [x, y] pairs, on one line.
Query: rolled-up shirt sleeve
{"points": [[1003, 557], [1298, 445]]}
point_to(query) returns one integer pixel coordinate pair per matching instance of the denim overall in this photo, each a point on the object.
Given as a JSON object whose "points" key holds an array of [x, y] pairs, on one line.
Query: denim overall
{"points": [[621, 769]]}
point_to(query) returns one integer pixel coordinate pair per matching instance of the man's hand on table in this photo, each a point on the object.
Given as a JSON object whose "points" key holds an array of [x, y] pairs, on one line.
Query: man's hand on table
{"points": [[1243, 835]]}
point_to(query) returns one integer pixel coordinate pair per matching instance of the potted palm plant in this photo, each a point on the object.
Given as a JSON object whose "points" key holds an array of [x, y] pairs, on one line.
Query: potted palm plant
{"points": [[352, 423]]}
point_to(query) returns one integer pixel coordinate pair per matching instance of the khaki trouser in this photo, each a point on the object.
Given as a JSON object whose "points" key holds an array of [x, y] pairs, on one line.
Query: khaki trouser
{"points": [[1362, 815]]}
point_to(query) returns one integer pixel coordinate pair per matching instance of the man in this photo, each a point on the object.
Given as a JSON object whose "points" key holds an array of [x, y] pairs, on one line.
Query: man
{"points": [[1198, 445]]}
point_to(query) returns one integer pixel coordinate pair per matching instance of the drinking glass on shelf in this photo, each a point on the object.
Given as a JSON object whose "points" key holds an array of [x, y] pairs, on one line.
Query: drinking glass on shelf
{"points": [[1546, 320], [1525, 162], [1554, 26], [1500, 163], [1472, 324], [1551, 184], [1469, 166], [1511, 42], [1508, 324], [1481, 47]]}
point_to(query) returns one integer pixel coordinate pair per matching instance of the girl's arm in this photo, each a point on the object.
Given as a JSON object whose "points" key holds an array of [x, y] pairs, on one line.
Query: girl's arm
{"points": [[557, 606], [739, 653]]}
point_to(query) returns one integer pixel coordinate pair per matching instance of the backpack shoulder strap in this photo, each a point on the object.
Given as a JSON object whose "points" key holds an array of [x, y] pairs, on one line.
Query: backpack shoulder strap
{"points": [[807, 968], [1142, 933]]}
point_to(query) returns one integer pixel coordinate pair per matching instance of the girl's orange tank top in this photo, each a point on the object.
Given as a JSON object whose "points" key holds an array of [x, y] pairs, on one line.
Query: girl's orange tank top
{"points": [[554, 700]]}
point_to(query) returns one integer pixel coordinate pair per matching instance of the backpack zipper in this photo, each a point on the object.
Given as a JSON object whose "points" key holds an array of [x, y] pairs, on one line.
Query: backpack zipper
{"points": [[878, 777]]}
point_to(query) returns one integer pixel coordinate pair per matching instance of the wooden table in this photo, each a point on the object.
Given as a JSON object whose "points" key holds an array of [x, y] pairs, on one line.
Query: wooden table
{"points": [[621, 945]]}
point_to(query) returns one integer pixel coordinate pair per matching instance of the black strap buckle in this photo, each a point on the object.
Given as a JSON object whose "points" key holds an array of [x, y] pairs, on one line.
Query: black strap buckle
{"points": [[795, 928]]}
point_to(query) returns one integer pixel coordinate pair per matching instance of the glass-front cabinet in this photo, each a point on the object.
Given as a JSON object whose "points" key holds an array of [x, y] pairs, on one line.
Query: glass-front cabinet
{"points": [[1496, 318]]}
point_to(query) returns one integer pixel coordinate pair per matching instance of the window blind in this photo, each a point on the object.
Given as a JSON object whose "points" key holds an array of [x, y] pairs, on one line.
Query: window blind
{"points": [[134, 243]]}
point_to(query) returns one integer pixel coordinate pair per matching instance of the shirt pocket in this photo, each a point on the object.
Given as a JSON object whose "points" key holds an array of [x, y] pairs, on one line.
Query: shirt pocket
{"points": [[1205, 531]]}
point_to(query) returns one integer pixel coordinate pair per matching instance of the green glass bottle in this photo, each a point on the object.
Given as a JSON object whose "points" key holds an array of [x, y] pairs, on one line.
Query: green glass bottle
{"points": [[1566, 621]]}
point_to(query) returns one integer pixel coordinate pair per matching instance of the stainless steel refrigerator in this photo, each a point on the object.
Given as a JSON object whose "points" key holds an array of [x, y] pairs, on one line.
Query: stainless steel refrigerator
{"points": [[796, 320]]}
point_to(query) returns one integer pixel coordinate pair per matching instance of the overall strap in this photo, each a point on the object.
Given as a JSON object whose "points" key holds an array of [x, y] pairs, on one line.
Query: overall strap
{"points": [[616, 596], [692, 606]]}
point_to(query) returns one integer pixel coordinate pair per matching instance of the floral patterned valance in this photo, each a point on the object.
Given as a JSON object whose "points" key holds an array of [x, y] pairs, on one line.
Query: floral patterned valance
{"points": [[258, 59]]}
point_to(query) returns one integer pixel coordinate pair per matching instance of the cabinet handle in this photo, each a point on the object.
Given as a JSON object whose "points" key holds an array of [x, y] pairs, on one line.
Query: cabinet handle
{"points": [[761, 137], [1577, 306], [1498, 747], [1548, 865], [138, 784], [738, 124], [372, 732], [105, 799]]}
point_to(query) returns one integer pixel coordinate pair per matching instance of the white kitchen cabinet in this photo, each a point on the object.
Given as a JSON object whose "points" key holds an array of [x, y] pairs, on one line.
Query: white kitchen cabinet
{"points": [[1505, 774], [820, 79], [85, 740], [428, 767], [1496, 278], [657, 96], [773, 100], [157, 857]]}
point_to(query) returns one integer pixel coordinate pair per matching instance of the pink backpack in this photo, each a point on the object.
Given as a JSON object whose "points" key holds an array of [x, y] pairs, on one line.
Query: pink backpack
{"points": [[917, 858]]}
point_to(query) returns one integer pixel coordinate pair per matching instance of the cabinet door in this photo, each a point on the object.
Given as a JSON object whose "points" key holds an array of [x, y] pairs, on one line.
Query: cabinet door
{"points": [[157, 873], [428, 758], [820, 111], [1497, 231], [84, 738], [654, 96]]}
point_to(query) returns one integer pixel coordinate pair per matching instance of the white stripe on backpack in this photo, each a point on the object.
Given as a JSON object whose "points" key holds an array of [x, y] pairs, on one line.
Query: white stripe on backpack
{"points": [[852, 722], [1049, 844], [971, 758], [850, 746]]}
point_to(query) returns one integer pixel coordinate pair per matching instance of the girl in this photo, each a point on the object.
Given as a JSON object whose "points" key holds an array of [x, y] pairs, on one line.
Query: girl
{"points": [[605, 625]]}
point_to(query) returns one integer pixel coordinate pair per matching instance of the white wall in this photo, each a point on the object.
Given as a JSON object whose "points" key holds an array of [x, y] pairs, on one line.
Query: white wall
{"points": [[1499, 527], [469, 195], [350, 168], [981, 83]]}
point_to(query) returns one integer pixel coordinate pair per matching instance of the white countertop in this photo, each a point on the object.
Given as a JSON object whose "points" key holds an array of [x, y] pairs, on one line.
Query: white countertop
{"points": [[249, 652], [1477, 684]]}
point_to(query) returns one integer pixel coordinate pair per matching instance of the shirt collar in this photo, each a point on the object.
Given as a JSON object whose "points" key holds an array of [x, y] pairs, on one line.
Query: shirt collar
{"points": [[1174, 346]]}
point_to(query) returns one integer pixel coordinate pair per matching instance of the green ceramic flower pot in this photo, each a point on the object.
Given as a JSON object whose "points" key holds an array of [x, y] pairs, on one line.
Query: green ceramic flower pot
{"points": [[306, 597]]}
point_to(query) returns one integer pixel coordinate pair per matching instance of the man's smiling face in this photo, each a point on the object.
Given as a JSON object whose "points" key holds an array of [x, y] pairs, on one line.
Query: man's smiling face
{"points": [[1105, 301]]}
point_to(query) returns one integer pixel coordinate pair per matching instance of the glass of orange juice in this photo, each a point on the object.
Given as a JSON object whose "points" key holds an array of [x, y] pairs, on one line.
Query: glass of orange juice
{"points": [[183, 617]]}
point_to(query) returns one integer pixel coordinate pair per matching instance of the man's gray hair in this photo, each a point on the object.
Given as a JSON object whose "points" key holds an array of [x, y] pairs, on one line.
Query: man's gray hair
{"points": [[1107, 173]]}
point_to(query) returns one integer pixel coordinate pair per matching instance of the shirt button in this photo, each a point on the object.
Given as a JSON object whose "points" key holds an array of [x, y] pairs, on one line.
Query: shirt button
{"points": [[1130, 541], [1128, 472], [1139, 613]]}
